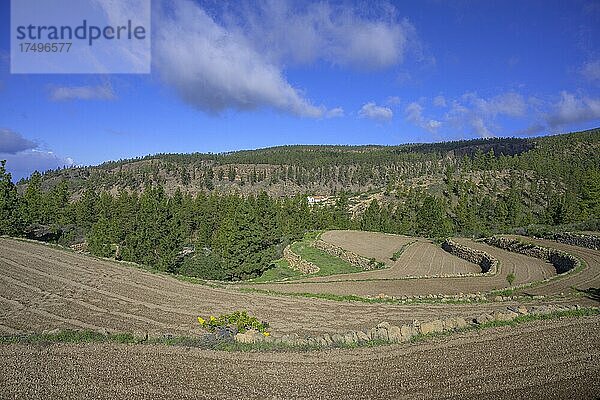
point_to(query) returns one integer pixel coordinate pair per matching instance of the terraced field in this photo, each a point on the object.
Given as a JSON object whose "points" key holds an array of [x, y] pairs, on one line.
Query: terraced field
{"points": [[420, 256], [43, 288], [589, 277], [417, 260]]}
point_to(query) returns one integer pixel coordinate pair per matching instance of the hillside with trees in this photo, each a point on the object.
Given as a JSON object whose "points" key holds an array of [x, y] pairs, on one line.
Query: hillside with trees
{"points": [[228, 216]]}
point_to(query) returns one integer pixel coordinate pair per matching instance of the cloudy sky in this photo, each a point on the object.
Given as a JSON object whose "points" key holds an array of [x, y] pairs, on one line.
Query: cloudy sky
{"points": [[236, 75]]}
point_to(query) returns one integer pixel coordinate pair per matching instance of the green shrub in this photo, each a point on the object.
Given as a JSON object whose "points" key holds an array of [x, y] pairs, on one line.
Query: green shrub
{"points": [[510, 278], [240, 320]]}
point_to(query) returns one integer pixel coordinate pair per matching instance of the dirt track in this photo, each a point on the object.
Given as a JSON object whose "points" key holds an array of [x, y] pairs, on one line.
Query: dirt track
{"points": [[543, 360]]}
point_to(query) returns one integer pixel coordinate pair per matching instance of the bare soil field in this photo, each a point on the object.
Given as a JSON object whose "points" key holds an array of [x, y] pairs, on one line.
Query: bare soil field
{"points": [[556, 359], [390, 281], [589, 277], [420, 256], [45, 288], [380, 246]]}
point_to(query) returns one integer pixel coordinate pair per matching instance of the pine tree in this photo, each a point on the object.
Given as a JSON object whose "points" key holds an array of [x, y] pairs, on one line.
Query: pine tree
{"points": [[11, 222]]}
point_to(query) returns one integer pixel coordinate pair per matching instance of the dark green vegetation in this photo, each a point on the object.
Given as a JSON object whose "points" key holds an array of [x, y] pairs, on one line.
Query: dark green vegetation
{"points": [[280, 270], [208, 216]]}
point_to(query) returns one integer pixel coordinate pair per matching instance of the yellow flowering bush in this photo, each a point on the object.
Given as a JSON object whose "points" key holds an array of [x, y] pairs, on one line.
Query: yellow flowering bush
{"points": [[240, 320]]}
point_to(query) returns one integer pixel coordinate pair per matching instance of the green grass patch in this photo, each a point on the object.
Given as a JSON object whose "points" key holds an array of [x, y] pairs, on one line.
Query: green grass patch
{"points": [[313, 235], [323, 296], [328, 264], [281, 271]]}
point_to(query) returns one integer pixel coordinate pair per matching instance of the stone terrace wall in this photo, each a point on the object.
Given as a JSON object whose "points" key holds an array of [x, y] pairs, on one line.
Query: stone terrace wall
{"points": [[488, 264], [562, 261], [346, 255], [298, 263], [385, 332], [578, 239]]}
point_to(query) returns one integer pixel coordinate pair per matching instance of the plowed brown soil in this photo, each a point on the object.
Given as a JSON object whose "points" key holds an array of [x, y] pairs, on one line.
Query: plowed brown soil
{"points": [[556, 359], [45, 288], [390, 281], [420, 256]]}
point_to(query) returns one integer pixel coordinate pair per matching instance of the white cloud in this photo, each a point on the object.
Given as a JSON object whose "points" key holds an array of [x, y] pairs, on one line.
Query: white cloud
{"points": [[393, 100], [532, 129], [12, 142], [573, 109], [292, 32], [439, 101], [100, 92], [137, 54], [214, 69], [404, 78], [472, 114], [478, 115], [591, 71], [335, 113], [235, 57], [373, 111], [510, 103], [414, 114], [22, 164]]}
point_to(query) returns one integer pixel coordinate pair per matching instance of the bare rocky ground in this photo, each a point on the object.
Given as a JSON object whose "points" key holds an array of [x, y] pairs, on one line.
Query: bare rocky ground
{"points": [[556, 359]]}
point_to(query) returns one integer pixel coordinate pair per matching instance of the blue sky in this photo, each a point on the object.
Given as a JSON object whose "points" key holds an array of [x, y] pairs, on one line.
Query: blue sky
{"points": [[248, 75]]}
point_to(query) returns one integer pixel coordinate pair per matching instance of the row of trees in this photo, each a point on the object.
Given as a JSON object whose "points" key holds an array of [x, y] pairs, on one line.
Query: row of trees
{"points": [[237, 237]]}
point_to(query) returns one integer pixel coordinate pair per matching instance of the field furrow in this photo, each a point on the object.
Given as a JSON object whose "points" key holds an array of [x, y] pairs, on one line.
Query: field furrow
{"points": [[71, 289]]}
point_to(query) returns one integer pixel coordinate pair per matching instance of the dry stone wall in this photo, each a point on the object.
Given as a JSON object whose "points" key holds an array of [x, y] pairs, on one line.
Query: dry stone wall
{"points": [[562, 261], [346, 255], [578, 239], [488, 264], [386, 332], [298, 263]]}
